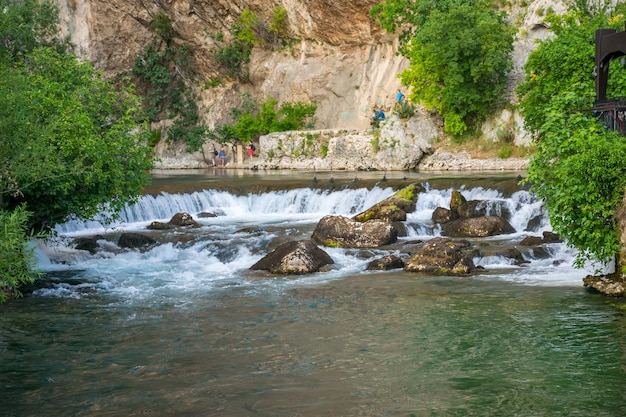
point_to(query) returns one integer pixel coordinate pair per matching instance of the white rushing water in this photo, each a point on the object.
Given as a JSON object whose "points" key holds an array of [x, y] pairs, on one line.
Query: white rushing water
{"points": [[218, 253]]}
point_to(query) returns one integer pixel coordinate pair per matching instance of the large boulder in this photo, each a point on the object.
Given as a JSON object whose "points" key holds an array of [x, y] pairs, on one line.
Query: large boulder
{"points": [[340, 231], [183, 219], [456, 200], [89, 244], [393, 208], [442, 256], [296, 257], [461, 208], [613, 285], [477, 227], [443, 215]]}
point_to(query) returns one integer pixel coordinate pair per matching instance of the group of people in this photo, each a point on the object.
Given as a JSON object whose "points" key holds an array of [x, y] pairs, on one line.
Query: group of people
{"points": [[378, 114], [219, 157]]}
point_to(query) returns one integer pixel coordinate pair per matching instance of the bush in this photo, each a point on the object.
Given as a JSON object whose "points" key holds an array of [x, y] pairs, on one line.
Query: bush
{"points": [[252, 121], [459, 52], [404, 109], [16, 257]]}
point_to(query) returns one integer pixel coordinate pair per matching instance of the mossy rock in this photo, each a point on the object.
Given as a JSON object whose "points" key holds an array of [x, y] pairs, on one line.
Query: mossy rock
{"points": [[394, 208]]}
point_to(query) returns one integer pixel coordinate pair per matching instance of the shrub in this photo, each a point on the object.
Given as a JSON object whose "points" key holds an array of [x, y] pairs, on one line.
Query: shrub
{"points": [[16, 257]]}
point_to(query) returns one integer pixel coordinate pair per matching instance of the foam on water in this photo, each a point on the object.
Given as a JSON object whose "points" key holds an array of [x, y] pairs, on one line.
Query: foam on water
{"points": [[216, 254]]}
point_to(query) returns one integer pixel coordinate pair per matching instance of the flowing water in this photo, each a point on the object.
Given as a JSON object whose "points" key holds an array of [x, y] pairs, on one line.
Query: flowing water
{"points": [[186, 329]]}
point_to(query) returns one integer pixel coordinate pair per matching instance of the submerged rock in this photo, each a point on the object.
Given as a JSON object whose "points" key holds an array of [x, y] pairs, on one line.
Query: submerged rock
{"points": [[134, 241], [385, 263], [89, 244], [296, 257]]}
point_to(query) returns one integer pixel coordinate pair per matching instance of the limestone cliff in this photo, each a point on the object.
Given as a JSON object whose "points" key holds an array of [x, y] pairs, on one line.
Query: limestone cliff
{"points": [[341, 59], [338, 57]]}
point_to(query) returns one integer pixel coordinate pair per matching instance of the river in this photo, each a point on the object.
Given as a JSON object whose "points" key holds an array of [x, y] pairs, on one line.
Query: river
{"points": [[186, 329]]}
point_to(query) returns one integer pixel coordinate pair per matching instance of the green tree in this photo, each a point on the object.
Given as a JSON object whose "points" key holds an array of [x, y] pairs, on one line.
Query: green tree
{"points": [[26, 25], [160, 72], [71, 143], [409, 15], [579, 169], [278, 25], [234, 56], [459, 52]]}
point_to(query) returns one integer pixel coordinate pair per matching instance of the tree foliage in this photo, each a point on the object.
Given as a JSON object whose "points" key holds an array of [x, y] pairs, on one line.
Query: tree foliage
{"points": [[16, 256], [459, 52], [579, 169], [71, 143], [26, 25]]}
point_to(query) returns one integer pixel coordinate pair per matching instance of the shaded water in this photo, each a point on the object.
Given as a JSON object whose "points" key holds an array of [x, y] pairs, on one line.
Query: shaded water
{"points": [[184, 329]]}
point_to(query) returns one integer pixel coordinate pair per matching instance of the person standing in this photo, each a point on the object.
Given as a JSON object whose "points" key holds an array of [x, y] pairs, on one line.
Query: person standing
{"points": [[250, 151], [399, 97], [214, 154], [222, 155]]}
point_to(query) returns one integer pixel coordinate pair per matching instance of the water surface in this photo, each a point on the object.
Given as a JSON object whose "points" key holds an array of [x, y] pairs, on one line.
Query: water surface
{"points": [[185, 329]]}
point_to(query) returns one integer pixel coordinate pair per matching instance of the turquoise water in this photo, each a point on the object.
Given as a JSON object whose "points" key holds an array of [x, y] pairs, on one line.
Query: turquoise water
{"points": [[185, 329], [372, 345]]}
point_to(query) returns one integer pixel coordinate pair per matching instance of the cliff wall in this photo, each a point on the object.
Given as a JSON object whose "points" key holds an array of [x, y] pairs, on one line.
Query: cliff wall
{"points": [[337, 57]]}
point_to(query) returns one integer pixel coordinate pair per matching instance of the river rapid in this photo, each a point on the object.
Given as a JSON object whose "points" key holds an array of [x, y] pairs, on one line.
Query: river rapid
{"points": [[184, 328]]}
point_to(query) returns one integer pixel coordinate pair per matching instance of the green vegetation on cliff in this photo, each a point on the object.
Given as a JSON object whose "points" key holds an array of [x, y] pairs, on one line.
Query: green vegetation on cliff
{"points": [[459, 52], [253, 120]]}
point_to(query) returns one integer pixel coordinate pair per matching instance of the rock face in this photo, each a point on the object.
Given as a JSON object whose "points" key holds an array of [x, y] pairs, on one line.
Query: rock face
{"points": [[340, 231], [398, 145], [298, 257], [336, 56]]}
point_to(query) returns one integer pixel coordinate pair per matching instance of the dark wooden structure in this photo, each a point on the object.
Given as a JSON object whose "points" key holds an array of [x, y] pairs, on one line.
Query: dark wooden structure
{"points": [[610, 44]]}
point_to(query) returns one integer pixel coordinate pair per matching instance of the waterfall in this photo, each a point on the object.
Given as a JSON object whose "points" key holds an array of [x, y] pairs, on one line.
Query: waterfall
{"points": [[303, 204], [221, 251]]}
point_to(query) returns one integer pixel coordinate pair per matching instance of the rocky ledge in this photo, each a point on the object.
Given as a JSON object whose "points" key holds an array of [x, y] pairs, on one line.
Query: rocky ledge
{"points": [[399, 145]]}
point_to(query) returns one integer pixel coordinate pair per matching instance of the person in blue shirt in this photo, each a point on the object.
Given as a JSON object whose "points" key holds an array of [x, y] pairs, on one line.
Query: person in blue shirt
{"points": [[377, 116], [399, 97]]}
